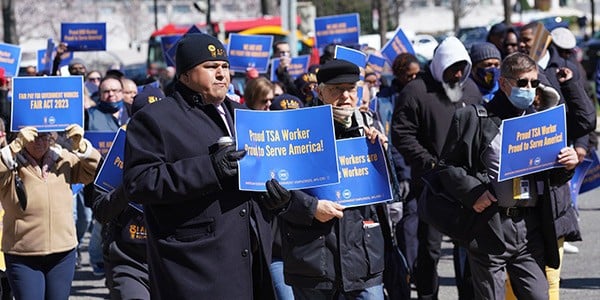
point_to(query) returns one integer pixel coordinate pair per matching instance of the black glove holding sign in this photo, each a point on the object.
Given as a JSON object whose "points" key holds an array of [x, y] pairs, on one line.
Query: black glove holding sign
{"points": [[224, 160], [277, 195]]}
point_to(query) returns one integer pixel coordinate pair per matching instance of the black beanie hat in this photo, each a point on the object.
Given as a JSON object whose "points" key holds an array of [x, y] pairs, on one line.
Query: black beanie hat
{"points": [[196, 48], [338, 71], [148, 95]]}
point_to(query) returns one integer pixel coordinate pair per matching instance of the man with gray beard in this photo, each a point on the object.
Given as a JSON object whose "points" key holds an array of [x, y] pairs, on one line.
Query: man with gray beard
{"points": [[422, 115]]}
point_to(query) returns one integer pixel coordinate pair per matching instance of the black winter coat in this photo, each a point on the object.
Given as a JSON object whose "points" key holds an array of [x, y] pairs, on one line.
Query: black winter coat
{"points": [[199, 229], [422, 116], [340, 253], [465, 174]]}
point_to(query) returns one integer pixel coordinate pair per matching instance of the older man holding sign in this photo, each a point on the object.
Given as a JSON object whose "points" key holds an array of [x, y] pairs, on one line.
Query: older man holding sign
{"points": [[329, 249]]}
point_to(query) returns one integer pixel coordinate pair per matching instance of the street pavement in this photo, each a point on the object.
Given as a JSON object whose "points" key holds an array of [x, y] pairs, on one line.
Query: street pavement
{"points": [[580, 276]]}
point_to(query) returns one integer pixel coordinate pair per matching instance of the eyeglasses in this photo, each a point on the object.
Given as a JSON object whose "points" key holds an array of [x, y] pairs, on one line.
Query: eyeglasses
{"points": [[523, 82], [94, 78], [111, 90]]}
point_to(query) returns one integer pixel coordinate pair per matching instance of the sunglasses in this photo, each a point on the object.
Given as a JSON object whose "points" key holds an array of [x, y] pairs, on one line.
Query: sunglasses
{"points": [[523, 82]]}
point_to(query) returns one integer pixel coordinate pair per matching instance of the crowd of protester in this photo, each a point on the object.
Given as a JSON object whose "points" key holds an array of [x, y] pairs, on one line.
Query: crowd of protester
{"points": [[179, 227]]}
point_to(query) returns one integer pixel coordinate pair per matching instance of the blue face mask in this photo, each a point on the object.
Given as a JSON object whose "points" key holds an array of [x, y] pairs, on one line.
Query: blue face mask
{"points": [[110, 107], [521, 98], [489, 76]]}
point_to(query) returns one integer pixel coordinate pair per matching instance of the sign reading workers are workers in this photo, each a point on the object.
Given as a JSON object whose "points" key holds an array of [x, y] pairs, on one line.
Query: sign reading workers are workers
{"points": [[364, 176], [47, 103], [531, 143], [84, 36], [286, 146]]}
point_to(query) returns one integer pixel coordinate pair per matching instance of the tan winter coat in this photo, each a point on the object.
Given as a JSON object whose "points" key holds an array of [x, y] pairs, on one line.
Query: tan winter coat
{"points": [[46, 226]]}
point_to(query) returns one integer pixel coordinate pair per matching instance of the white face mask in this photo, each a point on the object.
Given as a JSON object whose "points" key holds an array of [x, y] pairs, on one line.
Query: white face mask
{"points": [[454, 92]]}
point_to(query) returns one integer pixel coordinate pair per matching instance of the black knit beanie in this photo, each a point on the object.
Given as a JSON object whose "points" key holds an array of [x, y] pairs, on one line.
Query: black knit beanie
{"points": [[196, 48]]}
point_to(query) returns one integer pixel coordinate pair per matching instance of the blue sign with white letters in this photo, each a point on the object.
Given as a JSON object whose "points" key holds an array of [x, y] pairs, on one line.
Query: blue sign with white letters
{"points": [[338, 29], [47, 103], [110, 175], [376, 63], [283, 145], [297, 67], [364, 177], [168, 45], [397, 45], [10, 59], [84, 36], [249, 51], [592, 175], [101, 140], [531, 143]]}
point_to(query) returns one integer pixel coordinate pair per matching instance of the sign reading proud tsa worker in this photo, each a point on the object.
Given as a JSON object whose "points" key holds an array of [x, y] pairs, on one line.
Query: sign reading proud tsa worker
{"points": [[10, 59], [297, 67], [531, 143], [397, 45], [339, 29], [285, 146], [110, 175], [249, 51], [84, 36], [47, 103], [364, 177]]}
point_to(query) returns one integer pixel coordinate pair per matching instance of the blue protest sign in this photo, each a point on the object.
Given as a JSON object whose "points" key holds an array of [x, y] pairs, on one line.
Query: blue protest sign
{"points": [[110, 175], [47, 103], [352, 55], [249, 51], [101, 140], [364, 177], [376, 63], [44, 58], [338, 29], [84, 36], [283, 145], [397, 45], [168, 45], [297, 67], [592, 176], [10, 59], [531, 143], [577, 179], [45, 64]]}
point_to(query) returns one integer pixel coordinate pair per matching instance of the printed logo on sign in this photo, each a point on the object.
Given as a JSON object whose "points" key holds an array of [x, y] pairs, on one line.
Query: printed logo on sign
{"points": [[283, 175], [537, 161], [51, 120], [347, 194]]}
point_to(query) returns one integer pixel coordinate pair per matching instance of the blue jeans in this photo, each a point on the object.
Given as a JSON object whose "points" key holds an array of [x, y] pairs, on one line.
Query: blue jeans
{"points": [[371, 293], [41, 277], [95, 246], [282, 290]]}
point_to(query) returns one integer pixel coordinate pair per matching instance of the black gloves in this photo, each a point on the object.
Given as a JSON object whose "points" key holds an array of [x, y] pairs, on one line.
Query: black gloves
{"points": [[277, 195], [224, 161]]}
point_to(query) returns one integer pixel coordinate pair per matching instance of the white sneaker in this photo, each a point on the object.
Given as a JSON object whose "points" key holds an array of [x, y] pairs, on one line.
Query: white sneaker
{"points": [[570, 249]]}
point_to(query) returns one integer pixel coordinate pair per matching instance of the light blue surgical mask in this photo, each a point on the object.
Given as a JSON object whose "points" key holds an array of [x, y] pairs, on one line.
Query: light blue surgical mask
{"points": [[521, 98]]}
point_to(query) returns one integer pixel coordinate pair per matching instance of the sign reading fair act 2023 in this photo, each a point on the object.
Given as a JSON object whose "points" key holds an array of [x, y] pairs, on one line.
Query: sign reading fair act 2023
{"points": [[47, 103]]}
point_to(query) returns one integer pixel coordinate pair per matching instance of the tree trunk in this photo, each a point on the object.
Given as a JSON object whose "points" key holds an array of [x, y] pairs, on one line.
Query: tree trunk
{"points": [[9, 21], [383, 20]]}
